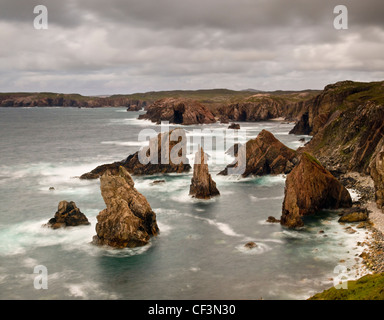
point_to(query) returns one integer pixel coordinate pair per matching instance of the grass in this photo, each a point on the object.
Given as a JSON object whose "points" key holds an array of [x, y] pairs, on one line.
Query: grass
{"points": [[369, 287]]}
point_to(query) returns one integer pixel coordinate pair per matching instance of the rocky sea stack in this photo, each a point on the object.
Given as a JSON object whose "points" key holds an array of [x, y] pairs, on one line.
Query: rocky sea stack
{"points": [[179, 111], [128, 220], [263, 155], [310, 188], [67, 215], [202, 185], [159, 152]]}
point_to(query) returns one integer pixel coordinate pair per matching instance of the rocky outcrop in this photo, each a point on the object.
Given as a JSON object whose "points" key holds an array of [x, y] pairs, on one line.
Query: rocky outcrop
{"points": [[158, 157], [263, 155], [202, 186], [66, 100], [128, 220], [376, 170], [354, 214], [310, 188], [67, 215], [179, 111]]}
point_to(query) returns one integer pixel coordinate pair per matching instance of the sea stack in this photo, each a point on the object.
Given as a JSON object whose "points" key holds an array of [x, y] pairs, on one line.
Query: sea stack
{"points": [[128, 220], [160, 151], [263, 155], [67, 215], [310, 188], [202, 185]]}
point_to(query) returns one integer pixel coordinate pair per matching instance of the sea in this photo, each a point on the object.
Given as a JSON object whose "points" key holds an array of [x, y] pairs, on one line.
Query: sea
{"points": [[199, 253]]}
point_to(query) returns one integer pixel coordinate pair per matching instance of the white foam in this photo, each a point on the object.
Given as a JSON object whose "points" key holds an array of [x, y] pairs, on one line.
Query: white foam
{"points": [[355, 195], [126, 143], [257, 199]]}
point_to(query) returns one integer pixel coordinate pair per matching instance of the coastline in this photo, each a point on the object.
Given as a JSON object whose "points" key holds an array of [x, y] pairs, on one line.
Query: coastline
{"points": [[372, 247]]}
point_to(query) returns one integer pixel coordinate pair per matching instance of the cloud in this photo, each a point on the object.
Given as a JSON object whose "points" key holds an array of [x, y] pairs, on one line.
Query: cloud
{"points": [[119, 46]]}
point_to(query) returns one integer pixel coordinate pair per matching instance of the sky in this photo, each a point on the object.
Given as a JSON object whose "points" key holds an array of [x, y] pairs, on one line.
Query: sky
{"points": [[96, 47]]}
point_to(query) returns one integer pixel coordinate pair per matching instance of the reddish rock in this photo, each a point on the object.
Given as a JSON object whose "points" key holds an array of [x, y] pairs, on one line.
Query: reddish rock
{"points": [[67, 215], [161, 149], [128, 220], [264, 155], [179, 111], [202, 185], [310, 188]]}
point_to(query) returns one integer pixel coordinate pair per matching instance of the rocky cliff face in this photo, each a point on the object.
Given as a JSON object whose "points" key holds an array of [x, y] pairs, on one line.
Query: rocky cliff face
{"points": [[178, 111], [346, 121], [67, 215], [202, 185], [309, 188], [128, 220], [159, 152], [263, 155]]}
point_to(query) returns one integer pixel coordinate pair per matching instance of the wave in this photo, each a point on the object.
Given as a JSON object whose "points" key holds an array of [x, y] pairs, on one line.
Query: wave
{"points": [[126, 143]]}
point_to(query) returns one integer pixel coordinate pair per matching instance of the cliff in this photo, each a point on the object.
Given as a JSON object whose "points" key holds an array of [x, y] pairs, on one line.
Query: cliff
{"points": [[179, 111]]}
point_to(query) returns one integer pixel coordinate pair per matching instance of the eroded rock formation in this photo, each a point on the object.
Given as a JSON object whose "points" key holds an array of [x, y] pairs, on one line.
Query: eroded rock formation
{"points": [[67, 215], [263, 155], [202, 185], [158, 157], [310, 188], [179, 111], [128, 220]]}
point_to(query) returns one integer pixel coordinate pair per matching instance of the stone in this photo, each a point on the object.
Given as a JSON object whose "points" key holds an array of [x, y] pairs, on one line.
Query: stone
{"points": [[354, 214], [234, 126], [67, 215], [273, 220], [179, 111], [310, 188], [202, 186], [262, 156], [160, 161], [250, 245], [128, 220]]}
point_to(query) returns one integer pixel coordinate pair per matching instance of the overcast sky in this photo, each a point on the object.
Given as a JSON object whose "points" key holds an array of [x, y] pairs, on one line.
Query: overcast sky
{"points": [[124, 46]]}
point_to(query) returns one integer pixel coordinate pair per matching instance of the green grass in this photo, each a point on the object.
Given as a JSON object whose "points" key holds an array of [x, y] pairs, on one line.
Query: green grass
{"points": [[369, 287]]}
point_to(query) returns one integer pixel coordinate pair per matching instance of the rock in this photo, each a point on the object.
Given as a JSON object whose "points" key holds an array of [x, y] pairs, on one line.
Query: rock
{"points": [[234, 126], [310, 188], [234, 150], [273, 220], [67, 215], [179, 111], [128, 220], [263, 155], [158, 181], [51, 188], [250, 245], [159, 161], [354, 214], [202, 186]]}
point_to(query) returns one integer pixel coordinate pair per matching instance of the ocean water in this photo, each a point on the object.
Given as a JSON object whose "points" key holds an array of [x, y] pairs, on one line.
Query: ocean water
{"points": [[200, 251]]}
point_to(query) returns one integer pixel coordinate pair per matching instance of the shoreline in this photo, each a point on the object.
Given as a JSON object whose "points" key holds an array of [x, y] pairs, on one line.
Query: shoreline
{"points": [[372, 247]]}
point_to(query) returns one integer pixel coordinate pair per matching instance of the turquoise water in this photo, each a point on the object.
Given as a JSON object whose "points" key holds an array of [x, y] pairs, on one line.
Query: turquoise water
{"points": [[199, 253]]}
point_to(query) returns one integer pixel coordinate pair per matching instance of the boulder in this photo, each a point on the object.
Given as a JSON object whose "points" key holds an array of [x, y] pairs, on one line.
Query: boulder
{"points": [[234, 126], [250, 245], [263, 155], [67, 215], [273, 220], [354, 214], [310, 188], [128, 220], [179, 111], [161, 158], [202, 186]]}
